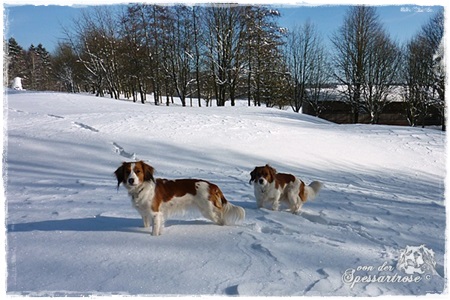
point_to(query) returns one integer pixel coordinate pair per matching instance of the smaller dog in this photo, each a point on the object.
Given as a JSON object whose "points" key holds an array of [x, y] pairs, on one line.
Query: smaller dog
{"points": [[156, 198], [273, 187]]}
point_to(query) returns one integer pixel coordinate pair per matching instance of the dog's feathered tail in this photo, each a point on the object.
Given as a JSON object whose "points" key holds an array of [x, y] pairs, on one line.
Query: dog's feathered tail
{"points": [[226, 213], [232, 214], [312, 190]]}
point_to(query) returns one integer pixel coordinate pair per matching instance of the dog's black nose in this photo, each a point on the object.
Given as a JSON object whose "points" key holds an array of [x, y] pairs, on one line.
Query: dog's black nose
{"points": [[261, 181], [131, 180]]}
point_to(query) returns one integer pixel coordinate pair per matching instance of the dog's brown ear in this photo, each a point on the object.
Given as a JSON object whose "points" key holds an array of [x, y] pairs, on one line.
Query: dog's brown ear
{"points": [[271, 168], [148, 172], [120, 174], [272, 172]]}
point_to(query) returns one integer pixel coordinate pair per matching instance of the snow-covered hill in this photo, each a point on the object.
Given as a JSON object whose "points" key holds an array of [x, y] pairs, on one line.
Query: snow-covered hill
{"points": [[70, 232]]}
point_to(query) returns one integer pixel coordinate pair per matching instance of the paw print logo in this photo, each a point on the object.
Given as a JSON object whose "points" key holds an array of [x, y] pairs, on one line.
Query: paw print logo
{"points": [[416, 260]]}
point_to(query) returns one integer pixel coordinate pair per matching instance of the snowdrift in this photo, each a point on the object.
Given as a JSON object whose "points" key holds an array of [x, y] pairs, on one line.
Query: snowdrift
{"points": [[71, 233]]}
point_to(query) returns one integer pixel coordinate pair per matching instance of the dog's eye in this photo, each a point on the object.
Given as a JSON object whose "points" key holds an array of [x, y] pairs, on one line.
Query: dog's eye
{"points": [[138, 171]]}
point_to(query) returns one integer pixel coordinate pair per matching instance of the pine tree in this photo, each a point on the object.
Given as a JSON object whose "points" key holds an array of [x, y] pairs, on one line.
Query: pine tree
{"points": [[38, 68], [44, 79], [16, 60]]}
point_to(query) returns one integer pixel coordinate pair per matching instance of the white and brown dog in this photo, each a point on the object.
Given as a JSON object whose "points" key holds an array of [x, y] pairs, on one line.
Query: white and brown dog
{"points": [[272, 187], [156, 198]]}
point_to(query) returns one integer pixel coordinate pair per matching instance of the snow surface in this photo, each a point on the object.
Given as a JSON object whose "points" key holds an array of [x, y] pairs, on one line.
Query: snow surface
{"points": [[71, 233]]}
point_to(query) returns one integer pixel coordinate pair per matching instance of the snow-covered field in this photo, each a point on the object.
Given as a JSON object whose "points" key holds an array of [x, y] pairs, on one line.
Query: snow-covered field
{"points": [[70, 232]]}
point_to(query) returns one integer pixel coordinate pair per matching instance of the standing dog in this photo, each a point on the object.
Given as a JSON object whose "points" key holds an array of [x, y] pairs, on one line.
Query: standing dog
{"points": [[273, 187], [156, 198]]}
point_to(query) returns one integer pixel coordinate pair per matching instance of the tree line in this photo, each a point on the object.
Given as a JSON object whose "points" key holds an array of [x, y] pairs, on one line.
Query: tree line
{"points": [[222, 52]]}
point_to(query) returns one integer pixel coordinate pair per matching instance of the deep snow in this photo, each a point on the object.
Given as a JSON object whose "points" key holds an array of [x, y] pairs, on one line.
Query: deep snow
{"points": [[70, 232]]}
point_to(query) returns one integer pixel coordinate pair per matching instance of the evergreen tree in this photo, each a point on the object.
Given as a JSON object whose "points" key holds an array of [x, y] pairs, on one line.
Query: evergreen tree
{"points": [[32, 67], [16, 61], [39, 68], [44, 80]]}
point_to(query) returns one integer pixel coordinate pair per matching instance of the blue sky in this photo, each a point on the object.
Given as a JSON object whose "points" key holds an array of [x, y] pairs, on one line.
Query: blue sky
{"points": [[43, 24], [401, 21]]}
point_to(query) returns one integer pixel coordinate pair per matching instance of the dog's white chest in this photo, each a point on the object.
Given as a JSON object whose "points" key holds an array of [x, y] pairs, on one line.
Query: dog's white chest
{"points": [[141, 198], [266, 192]]}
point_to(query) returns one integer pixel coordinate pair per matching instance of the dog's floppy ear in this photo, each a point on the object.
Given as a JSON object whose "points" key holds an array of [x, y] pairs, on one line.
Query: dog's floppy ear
{"points": [[272, 169], [272, 172], [252, 176], [148, 172], [120, 174]]}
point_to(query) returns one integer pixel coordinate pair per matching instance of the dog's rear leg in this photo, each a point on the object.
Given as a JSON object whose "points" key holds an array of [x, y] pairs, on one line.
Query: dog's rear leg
{"points": [[295, 208], [210, 212]]}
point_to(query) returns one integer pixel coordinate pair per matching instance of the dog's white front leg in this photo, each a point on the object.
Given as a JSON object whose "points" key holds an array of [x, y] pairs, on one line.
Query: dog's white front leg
{"points": [[157, 223], [260, 202], [275, 204]]}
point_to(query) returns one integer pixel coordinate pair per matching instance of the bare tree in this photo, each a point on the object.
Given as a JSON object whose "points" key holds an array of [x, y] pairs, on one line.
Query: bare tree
{"points": [[208, 51], [424, 73], [66, 70], [306, 60], [136, 64], [353, 44], [319, 86], [144, 30], [416, 76], [178, 62], [224, 44], [380, 76], [263, 61], [439, 71], [197, 36], [434, 33], [96, 43]]}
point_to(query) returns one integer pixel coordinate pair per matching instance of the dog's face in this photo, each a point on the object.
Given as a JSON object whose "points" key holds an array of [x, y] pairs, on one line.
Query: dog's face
{"points": [[263, 175], [133, 174]]}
